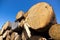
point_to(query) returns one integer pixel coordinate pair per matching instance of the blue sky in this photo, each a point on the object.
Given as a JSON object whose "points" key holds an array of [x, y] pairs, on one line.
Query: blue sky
{"points": [[9, 8]]}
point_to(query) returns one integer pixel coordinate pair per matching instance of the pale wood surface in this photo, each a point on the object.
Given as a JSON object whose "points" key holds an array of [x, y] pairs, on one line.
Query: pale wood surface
{"points": [[19, 14], [39, 15], [54, 31]]}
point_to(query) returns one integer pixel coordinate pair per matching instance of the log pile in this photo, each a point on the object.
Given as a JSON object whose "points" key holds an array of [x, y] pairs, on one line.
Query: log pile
{"points": [[38, 23]]}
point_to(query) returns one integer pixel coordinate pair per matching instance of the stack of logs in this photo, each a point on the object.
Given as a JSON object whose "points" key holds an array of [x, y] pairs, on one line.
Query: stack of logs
{"points": [[38, 23]]}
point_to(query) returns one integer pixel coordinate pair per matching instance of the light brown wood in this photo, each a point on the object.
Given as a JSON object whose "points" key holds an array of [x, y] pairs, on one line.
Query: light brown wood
{"points": [[6, 33], [1, 38], [39, 15], [19, 15], [17, 37], [13, 36], [5, 26], [25, 14], [24, 35], [54, 31], [8, 37]]}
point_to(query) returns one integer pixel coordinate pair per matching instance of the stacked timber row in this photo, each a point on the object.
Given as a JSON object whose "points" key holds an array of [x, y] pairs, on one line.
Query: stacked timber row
{"points": [[38, 23]]}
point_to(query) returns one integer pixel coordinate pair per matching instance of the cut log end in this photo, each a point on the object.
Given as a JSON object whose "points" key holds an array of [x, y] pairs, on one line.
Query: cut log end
{"points": [[54, 31], [5, 26], [19, 15], [39, 15]]}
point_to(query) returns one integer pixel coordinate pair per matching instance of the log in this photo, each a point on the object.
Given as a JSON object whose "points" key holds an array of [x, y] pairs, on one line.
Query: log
{"points": [[40, 15], [5, 26], [8, 37], [27, 30], [54, 31], [24, 35], [19, 15], [1, 38], [6, 33], [15, 36]]}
